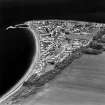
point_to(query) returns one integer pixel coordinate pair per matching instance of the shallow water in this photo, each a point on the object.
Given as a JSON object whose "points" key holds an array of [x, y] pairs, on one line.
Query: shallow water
{"points": [[83, 82]]}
